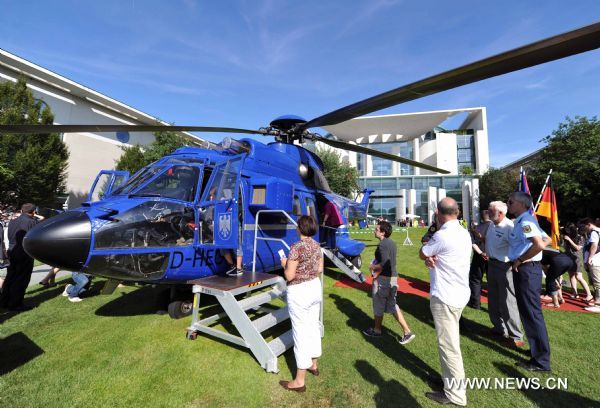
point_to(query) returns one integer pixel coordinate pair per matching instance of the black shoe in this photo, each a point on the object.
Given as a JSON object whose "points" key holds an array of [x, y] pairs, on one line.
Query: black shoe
{"points": [[233, 272], [436, 382], [371, 333], [529, 366], [439, 397]]}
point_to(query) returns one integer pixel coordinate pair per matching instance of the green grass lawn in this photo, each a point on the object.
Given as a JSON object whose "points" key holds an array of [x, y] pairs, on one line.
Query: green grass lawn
{"points": [[115, 351]]}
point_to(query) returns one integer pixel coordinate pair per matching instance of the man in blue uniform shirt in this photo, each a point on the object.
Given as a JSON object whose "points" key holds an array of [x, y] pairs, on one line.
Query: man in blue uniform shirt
{"points": [[526, 243]]}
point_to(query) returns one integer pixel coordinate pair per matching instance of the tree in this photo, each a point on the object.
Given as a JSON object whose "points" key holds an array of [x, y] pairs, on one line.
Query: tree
{"points": [[496, 185], [32, 167], [466, 170], [341, 176], [132, 159], [136, 157], [573, 154]]}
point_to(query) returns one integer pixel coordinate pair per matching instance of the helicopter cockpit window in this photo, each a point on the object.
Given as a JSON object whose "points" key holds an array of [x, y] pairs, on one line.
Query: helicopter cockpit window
{"points": [[223, 184], [149, 225], [119, 181], [178, 182], [221, 187], [101, 187], [137, 180], [184, 160]]}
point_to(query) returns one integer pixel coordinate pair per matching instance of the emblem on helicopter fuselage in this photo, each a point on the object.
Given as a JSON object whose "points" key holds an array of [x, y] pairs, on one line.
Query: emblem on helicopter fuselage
{"points": [[225, 226]]}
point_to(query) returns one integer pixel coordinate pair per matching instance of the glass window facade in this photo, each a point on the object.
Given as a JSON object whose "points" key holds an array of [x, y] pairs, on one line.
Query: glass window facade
{"points": [[465, 150], [387, 207], [382, 167], [406, 151], [360, 165]]}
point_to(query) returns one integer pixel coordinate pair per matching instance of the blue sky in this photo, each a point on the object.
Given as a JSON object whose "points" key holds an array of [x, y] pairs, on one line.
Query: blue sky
{"points": [[243, 63]]}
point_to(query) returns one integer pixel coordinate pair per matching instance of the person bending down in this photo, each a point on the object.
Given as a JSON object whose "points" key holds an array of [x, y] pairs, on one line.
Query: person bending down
{"points": [[73, 291]]}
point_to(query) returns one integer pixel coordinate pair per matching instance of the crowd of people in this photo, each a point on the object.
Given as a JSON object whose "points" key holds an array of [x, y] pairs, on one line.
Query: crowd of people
{"points": [[512, 253]]}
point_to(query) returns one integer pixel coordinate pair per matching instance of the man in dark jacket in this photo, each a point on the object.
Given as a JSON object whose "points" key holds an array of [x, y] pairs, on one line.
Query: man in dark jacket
{"points": [[21, 264]]}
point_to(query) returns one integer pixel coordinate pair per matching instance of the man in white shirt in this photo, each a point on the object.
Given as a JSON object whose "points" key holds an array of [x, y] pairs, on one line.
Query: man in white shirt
{"points": [[448, 255], [502, 303], [591, 259]]}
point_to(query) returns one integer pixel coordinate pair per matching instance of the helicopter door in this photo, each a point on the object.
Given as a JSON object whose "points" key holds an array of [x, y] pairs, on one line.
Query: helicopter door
{"points": [[107, 181], [220, 205]]}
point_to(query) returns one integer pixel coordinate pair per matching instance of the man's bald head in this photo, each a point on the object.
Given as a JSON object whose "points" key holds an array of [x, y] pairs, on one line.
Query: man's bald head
{"points": [[448, 206], [447, 210]]}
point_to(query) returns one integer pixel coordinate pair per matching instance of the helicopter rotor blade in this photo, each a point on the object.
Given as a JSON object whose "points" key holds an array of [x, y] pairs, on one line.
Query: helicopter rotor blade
{"points": [[372, 152], [41, 129], [550, 49]]}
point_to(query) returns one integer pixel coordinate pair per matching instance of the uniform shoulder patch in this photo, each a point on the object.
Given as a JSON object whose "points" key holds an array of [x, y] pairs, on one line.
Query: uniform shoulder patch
{"points": [[527, 229]]}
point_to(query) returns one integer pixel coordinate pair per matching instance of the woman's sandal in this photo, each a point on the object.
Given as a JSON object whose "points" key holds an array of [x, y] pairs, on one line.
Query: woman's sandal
{"points": [[574, 297], [285, 385], [590, 301], [314, 371]]}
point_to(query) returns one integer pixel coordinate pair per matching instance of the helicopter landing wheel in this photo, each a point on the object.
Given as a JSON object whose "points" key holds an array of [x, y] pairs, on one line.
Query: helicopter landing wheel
{"points": [[191, 335], [356, 261], [180, 308]]}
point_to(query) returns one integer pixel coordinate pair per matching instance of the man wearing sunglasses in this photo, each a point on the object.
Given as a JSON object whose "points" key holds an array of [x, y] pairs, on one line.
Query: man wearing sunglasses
{"points": [[525, 245]]}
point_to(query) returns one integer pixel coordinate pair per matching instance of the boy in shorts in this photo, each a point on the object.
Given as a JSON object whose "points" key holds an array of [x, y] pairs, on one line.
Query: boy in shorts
{"points": [[385, 284]]}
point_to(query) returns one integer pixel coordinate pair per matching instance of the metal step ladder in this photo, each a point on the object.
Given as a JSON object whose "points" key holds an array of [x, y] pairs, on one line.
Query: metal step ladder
{"points": [[344, 265], [250, 331]]}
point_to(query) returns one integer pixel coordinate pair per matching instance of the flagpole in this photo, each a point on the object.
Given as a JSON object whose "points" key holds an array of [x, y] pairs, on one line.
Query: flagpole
{"points": [[521, 179], [542, 192]]}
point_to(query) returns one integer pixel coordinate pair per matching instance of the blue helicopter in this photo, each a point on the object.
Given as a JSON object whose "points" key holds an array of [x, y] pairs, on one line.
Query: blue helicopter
{"points": [[192, 213]]}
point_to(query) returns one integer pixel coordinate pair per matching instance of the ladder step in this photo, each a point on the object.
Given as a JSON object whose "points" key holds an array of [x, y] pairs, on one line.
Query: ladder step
{"points": [[271, 319], [260, 299], [280, 344]]}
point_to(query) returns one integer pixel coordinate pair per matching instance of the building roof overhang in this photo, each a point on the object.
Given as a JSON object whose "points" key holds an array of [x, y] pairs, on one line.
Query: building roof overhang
{"points": [[58, 82], [398, 127]]}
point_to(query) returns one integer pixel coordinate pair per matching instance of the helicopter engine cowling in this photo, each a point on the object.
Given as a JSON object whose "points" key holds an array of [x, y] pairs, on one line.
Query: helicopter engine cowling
{"points": [[62, 241]]}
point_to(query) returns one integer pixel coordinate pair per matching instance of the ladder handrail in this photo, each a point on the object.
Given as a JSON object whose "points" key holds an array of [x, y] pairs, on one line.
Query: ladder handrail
{"points": [[256, 237]]}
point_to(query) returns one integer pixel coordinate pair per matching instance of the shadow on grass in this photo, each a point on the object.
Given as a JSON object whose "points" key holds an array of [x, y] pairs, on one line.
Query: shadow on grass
{"points": [[418, 307], [548, 397], [142, 301], [388, 390], [17, 350], [39, 296], [359, 320]]}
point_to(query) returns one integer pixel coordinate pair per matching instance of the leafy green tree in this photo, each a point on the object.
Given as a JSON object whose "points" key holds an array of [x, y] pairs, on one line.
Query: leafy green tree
{"points": [[573, 154], [132, 159], [466, 170], [32, 167], [341, 176], [496, 185], [136, 157]]}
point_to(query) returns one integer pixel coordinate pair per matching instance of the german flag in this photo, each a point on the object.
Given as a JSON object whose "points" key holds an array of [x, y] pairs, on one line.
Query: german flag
{"points": [[549, 210]]}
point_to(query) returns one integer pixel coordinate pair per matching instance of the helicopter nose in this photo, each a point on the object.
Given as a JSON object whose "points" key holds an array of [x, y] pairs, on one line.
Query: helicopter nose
{"points": [[62, 241]]}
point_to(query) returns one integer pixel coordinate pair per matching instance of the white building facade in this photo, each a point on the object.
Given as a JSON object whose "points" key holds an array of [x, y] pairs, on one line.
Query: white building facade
{"points": [[417, 136], [72, 103]]}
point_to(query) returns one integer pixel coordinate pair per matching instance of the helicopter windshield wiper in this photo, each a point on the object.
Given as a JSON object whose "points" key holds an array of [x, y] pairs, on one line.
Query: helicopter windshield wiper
{"points": [[144, 195]]}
